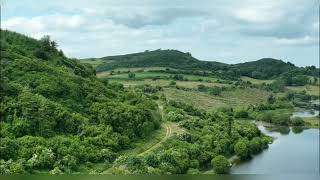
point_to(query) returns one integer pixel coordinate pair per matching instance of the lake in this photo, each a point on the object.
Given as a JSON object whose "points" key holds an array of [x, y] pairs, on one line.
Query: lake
{"points": [[304, 114], [292, 152]]}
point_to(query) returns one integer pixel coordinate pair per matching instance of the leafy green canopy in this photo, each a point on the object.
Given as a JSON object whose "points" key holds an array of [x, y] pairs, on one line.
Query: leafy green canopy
{"points": [[55, 113], [207, 141]]}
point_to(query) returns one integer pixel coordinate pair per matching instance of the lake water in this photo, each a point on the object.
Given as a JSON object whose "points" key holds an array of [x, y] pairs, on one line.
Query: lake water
{"points": [[303, 114], [292, 152]]}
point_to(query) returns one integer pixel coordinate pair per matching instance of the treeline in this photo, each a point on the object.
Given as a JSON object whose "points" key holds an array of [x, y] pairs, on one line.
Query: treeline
{"points": [[277, 110], [56, 116]]}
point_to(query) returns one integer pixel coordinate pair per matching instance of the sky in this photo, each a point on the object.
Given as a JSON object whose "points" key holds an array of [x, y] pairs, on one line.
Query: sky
{"points": [[227, 31]]}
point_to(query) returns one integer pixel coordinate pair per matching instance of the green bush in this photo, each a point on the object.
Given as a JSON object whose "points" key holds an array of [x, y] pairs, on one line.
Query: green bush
{"points": [[297, 121], [220, 164], [241, 148]]}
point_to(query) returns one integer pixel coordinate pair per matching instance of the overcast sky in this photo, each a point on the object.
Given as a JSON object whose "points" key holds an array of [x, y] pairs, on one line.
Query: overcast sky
{"points": [[228, 31]]}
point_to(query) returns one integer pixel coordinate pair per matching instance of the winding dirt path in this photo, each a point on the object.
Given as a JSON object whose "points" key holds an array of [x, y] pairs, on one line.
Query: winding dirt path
{"points": [[168, 134], [170, 129]]}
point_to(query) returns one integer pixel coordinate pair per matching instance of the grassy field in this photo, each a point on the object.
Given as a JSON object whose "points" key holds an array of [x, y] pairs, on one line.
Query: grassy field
{"points": [[93, 63], [162, 83], [256, 81], [128, 83], [198, 99], [125, 70], [310, 89], [150, 75], [235, 98], [312, 122], [138, 75], [246, 96], [195, 84], [138, 69]]}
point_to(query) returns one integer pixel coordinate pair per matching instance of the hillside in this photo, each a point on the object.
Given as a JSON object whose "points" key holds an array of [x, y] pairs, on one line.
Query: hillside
{"points": [[266, 68], [56, 115], [157, 58]]}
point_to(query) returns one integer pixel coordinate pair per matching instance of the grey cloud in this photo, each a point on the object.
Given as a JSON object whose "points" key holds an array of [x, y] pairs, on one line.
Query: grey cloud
{"points": [[139, 18], [289, 27], [293, 22]]}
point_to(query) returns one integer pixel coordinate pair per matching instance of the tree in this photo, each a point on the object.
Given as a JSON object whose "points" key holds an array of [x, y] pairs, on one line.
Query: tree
{"points": [[266, 141], [230, 120], [255, 145], [135, 163], [215, 91], [202, 88], [298, 121], [172, 83], [178, 77], [220, 164], [47, 44], [54, 44], [315, 80], [8, 148], [241, 149], [131, 75], [152, 160], [56, 170], [271, 99], [17, 167], [281, 119], [174, 117], [47, 47], [44, 160], [5, 167], [41, 54], [193, 171], [241, 114]]}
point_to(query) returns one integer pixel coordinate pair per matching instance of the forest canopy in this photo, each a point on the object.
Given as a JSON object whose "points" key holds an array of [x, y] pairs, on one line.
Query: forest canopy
{"points": [[55, 114]]}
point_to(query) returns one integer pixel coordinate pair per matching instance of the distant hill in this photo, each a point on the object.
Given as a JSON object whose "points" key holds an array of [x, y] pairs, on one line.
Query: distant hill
{"points": [[266, 68], [157, 58]]}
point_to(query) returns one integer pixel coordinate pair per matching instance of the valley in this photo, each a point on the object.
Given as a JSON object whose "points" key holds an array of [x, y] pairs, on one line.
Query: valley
{"points": [[154, 112]]}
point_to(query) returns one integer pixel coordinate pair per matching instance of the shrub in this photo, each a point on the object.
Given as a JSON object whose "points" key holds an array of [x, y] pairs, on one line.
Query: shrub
{"points": [[241, 114], [255, 145], [297, 121], [220, 164], [172, 83], [241, 149], [131, 75]]}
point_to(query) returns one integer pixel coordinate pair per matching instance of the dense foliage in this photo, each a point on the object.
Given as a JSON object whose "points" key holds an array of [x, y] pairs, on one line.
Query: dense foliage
{"points": [[208, 140], [56, 115]]}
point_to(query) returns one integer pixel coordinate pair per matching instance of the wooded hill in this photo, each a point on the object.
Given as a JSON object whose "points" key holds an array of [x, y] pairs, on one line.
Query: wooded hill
{"points": [[56, 115], [266, 68]]}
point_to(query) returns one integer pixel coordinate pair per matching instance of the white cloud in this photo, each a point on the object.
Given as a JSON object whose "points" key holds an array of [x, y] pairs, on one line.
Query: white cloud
{"points": [[23, 24], [258, 14], [40, 25]]}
